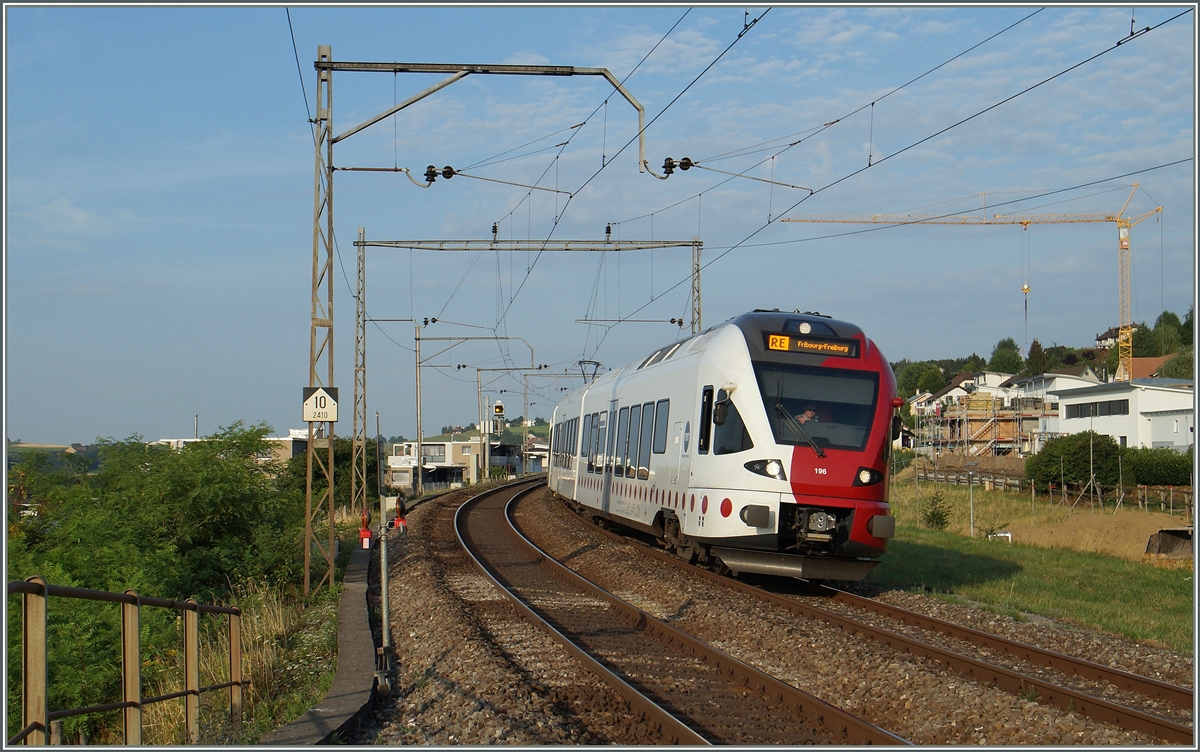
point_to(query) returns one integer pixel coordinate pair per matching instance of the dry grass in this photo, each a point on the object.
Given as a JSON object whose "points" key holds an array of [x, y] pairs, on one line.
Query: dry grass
{"points": [[288, 654]]}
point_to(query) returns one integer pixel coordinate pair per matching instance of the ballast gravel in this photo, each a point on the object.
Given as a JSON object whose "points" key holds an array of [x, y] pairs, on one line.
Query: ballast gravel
{"points": [[471, 671]]}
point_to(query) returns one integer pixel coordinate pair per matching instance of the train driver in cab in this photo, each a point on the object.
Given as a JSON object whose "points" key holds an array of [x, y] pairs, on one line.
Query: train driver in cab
{"points": [[809, 414]]}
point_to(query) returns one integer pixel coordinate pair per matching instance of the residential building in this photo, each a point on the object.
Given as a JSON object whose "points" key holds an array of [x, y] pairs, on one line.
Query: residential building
{"points": [[450, 464], [1108, 340], [1142, 413]]}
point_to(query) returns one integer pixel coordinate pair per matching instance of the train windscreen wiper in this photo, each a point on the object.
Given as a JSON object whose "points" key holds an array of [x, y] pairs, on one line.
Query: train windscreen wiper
{"points": [[799, 429]]}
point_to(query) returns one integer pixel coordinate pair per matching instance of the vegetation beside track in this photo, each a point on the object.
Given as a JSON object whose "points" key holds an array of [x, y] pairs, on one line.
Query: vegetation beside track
{"points": [[213, 521], [1093, 590]]}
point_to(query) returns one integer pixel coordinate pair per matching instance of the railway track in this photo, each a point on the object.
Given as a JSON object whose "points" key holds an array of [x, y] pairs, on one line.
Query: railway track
{"points": [[695, 693], [1022, 680]]}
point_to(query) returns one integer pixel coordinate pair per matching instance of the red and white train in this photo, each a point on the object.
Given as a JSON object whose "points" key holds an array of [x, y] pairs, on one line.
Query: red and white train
{"points": [[761, 444]]}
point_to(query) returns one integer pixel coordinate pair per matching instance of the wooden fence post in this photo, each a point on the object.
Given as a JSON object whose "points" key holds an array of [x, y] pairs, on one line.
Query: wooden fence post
{"points": [[235, 672], [131, 669], [35, 700], [191, 671]]}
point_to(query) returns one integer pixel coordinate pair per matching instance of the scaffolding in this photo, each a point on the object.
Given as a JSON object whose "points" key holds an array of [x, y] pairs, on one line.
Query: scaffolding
{"points": [[982, 425]]}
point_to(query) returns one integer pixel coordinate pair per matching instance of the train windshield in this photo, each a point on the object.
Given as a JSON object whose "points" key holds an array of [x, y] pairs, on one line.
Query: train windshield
{"points": [[824, 407]]}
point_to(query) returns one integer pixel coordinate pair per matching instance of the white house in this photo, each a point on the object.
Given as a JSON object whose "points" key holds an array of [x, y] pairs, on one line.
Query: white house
{"points": [[1144, 413], [444, 462]]}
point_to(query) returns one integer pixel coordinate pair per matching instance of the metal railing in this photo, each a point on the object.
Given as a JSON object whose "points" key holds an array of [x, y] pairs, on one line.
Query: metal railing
{"points": [[35, 700]]}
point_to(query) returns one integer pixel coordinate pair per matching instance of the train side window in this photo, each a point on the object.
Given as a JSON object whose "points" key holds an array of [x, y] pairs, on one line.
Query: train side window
{"points": [[601, 435], [585, 437], [609, 448], [622, 439], [662, 412], [706, 408], [635, 431], [593, 442], [731, 436], [643, 472]]}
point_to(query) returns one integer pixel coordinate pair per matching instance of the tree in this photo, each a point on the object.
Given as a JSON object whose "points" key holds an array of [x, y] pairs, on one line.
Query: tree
{"points": [[909, 379], [1185, 329], [1036, 362], [1179, 367], [1006, 357], [932, 380]]}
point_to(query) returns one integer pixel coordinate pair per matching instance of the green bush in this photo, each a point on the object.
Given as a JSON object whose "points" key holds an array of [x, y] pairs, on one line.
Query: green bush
{"points": [[1158, 467], [1072, 458]]}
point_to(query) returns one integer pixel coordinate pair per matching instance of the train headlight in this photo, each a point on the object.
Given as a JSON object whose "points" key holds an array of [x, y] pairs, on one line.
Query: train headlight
{"points": [[769, 468], [867, 477], [821, 522]]}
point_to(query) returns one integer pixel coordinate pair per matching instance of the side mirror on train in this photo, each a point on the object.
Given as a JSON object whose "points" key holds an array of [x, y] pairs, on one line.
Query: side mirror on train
{"points": [[720, 412], [895, 427]]}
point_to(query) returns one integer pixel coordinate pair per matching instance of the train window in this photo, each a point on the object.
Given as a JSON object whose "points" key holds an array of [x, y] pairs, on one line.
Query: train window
{"points": [[635, 428], [602, 443], [612, 439], [706, 405], [593, 442], [622, 439], [672, 351], [843, 402], [731, 436], [661, 412], [643, 472], [587, 435]]}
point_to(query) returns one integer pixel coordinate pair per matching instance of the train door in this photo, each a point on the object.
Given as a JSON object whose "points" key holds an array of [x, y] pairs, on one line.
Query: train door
{"points": [[676, 461], [606, 449]]}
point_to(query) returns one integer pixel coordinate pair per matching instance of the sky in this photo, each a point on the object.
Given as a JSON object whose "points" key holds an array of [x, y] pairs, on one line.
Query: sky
{"points": [[159, 194]]}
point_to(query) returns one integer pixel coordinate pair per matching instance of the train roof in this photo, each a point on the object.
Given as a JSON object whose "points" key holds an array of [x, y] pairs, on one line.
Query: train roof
{"points": [[756, 322], [761, 320]]}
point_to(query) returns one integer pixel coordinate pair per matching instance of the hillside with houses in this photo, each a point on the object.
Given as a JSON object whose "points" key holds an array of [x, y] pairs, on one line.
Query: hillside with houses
{"points": [[1013, 405]]}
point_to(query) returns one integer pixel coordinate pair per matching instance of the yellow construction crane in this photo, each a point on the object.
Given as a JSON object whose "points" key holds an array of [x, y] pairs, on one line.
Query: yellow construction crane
{"points": [[1123, 223]]}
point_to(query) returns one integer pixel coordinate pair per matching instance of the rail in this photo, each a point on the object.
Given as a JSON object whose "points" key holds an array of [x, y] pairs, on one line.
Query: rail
{"points": [[35, 700]]}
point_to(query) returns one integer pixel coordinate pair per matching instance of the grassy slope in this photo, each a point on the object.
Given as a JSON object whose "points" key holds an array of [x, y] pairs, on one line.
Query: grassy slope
{"points": [[1128, 598]]}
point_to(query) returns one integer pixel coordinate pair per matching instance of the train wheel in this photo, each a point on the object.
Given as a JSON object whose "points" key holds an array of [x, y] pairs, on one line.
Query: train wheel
{"points": [[677, 541]]}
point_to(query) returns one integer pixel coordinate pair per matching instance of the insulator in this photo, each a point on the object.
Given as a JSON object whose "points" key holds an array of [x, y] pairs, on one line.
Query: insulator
{"points": [[430, 174], [447, 172], [608, 231], [495, 230], [668, 166], [686, 163]]}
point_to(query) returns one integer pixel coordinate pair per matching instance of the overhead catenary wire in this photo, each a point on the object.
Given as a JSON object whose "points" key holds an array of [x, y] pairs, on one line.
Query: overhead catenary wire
{"points": [[816, 130], [717, 59], [526, 199]]}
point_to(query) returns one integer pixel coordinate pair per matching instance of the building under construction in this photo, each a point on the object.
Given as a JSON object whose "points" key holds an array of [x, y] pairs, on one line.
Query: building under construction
{"points": [[983, 424]]}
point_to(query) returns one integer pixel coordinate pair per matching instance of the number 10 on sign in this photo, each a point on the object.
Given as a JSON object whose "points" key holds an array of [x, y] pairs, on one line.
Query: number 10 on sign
{"points": [[320, 404]]}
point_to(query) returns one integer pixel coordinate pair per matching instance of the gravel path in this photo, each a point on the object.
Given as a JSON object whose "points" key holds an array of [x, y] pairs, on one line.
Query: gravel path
{"points": [[472, 672]]}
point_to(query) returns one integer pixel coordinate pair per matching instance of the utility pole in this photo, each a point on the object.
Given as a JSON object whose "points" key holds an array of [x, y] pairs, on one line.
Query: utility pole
{"points": [[420, 470], [321, 323], [358, 461], [320, 470]]}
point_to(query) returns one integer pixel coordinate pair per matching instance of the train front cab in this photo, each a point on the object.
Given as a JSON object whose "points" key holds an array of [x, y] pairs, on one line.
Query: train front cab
{"points": [[832, 520]]}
